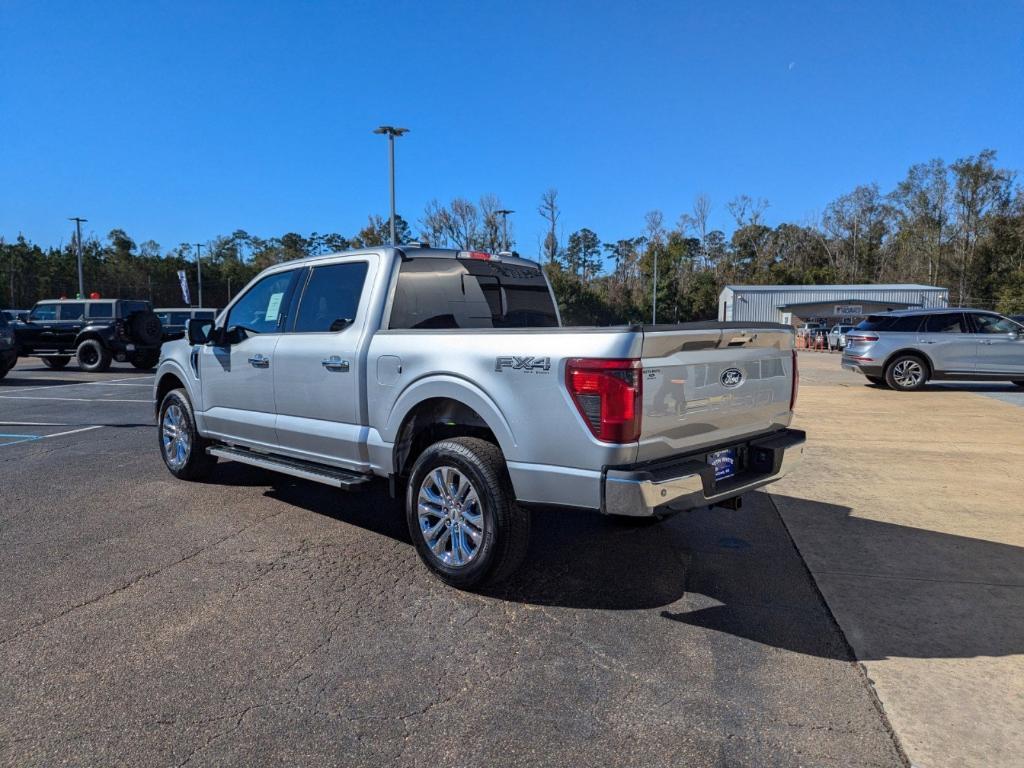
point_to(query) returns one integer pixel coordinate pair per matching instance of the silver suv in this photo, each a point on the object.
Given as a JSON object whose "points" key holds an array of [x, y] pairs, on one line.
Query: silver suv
{"points": [[904, 350]]}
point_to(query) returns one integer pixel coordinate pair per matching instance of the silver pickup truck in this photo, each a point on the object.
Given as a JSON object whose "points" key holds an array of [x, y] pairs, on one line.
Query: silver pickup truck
{"points": [[449, 374]]}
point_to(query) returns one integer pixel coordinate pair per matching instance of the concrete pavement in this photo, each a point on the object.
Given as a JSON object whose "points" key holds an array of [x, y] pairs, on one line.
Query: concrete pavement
{"points": [[909, 512]]}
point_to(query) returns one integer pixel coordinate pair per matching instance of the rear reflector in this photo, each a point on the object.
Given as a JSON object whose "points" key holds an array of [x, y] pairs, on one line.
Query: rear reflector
{"points": [[796, 381], [608, 394]]}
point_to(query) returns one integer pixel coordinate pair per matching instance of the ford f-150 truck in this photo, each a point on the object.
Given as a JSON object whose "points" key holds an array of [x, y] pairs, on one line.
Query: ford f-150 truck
{"points": [[449, 374]]}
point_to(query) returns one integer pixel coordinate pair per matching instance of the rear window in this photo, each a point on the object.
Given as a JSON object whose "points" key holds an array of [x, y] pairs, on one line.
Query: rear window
{"points": [[893, 324], [104, 309], [952, 322], [471, 293], [74, 311]]}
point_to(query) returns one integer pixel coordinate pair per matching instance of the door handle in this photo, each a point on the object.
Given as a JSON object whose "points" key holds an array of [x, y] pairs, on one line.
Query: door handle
{"points": [[987, 342], [335, 363], [259, 361]]}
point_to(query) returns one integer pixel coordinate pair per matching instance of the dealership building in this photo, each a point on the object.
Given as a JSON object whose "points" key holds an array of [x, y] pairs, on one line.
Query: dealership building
{"points": [[797, 304]]}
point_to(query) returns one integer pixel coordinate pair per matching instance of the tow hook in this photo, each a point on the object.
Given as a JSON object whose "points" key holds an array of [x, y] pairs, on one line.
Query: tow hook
{"points": [[735, 503]]}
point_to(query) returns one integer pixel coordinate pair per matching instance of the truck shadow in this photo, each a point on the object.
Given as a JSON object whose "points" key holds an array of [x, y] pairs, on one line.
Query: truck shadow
{"points": [[899, 591]]}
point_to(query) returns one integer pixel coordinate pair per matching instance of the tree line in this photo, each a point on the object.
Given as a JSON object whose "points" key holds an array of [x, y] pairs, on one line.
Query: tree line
{"points": [[958, 225]]}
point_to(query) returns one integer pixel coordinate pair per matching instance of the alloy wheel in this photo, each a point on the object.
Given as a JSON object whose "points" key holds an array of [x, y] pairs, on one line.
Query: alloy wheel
{"points": [[451, 519], [175, 437]]}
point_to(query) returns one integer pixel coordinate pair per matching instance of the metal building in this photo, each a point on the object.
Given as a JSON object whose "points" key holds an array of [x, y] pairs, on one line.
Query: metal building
{"points": [[796, 304]]}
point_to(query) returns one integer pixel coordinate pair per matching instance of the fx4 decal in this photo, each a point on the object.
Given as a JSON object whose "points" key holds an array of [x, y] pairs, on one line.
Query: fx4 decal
{"points": [[528, 364]]}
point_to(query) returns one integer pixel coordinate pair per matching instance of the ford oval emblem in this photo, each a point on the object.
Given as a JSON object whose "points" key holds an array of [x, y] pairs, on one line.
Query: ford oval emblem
{"points": [[731, 377]]}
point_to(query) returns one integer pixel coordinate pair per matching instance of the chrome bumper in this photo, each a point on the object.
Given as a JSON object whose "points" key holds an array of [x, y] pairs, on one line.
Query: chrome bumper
{"points": [[689, 482]]}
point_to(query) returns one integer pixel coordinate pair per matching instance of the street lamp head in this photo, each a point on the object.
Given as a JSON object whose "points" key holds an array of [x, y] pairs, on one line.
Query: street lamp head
{"points": [[390, 130]]}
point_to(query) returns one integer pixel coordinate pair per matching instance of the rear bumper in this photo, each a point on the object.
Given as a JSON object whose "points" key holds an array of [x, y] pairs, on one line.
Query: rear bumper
{"points": [[862, 367], [688, 482]]}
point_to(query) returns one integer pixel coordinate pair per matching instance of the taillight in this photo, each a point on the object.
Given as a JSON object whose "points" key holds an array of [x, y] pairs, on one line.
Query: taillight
{"points": [[608, 395], [796, 382], [859, 339], [478, 255]]}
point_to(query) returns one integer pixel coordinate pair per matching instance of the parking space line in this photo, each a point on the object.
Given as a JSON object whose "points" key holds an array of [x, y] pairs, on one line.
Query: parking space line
{"points": [[78, 384], [34, 438], [15, 439], [74, 399]]}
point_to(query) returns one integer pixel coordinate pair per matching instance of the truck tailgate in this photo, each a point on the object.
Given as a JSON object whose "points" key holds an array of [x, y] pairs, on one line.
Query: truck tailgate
{"points": [[705, 385]]}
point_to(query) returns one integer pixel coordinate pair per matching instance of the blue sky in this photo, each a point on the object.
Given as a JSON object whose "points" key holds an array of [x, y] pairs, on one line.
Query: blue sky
{"points": [[179, 121]]}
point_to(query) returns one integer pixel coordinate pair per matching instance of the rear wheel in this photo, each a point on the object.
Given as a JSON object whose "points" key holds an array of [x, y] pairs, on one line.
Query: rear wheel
{"points": [[56, 362], [878, 381], [181, 447], [906, 373], [93, 356], [462, 513], [146, 359]]}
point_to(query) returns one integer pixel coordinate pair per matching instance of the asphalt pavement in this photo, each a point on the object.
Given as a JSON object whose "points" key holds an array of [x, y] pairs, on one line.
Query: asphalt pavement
{"points": [[255, 619]]}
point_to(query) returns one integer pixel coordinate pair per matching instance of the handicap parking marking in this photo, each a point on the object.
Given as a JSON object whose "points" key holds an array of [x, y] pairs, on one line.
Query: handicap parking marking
{"points": [[11, 439], [15, 439]]}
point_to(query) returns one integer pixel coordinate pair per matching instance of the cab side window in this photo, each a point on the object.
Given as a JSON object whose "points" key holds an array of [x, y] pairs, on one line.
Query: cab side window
{"points": [[262, 308], [331, 298]]}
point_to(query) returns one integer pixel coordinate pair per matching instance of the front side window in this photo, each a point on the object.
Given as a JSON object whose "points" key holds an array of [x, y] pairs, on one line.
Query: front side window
{"points": [[994, 324], [952, 322], [331, 298], [43, 312], [72, 311], [261, 309], [104, 310]]}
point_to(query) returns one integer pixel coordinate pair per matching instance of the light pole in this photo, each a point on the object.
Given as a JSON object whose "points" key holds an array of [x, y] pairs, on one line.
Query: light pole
{"points": [[391, 132], [654, 291], [199, 270], [78, 249], [504, 212]]}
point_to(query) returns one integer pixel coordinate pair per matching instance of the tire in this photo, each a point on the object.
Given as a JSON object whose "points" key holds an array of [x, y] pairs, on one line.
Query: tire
{"points": [[1018, 383], [93, 357], [146, 360], [181, 447], [145, 328], [906, 373], [5, 368], [503, 527], [878, 381], [56, 362]]}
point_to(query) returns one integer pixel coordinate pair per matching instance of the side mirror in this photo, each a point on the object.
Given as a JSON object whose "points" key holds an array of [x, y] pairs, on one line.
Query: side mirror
{"points": [[199, 331]]}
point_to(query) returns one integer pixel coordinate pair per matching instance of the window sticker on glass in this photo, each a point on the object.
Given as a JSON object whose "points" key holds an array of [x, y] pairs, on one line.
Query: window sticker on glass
{"points": [[274, 307]]}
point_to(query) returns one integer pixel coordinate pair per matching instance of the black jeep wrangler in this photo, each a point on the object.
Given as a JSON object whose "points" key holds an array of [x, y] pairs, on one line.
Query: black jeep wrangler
{"points": [[8, 352], [96, 331]]}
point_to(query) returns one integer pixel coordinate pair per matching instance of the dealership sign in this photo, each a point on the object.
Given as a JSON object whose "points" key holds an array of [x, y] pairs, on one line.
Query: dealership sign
{"points": [[849, 309]]}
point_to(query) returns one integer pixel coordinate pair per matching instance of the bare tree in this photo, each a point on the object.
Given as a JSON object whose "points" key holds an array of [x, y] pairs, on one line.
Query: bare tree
{"points": [[550, 212]]}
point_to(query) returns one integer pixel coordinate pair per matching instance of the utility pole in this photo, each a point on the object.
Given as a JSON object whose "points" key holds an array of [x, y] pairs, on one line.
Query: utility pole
{"points": [[78, 247], [391, 132], [504, 212], [199, 270]]}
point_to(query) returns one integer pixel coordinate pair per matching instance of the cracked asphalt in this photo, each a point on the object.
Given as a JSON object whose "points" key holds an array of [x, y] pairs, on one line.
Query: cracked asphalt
{"points": [[258, 620]]}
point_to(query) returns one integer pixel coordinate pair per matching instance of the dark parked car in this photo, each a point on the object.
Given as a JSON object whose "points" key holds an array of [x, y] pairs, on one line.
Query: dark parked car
{"points": [[96, 331], [8, 353]]}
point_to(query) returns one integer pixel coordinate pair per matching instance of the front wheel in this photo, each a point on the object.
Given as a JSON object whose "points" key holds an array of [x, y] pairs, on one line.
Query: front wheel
{"points": [[462, 513], [182, 449], [93, 357], [56, 362], [906, 373]]}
